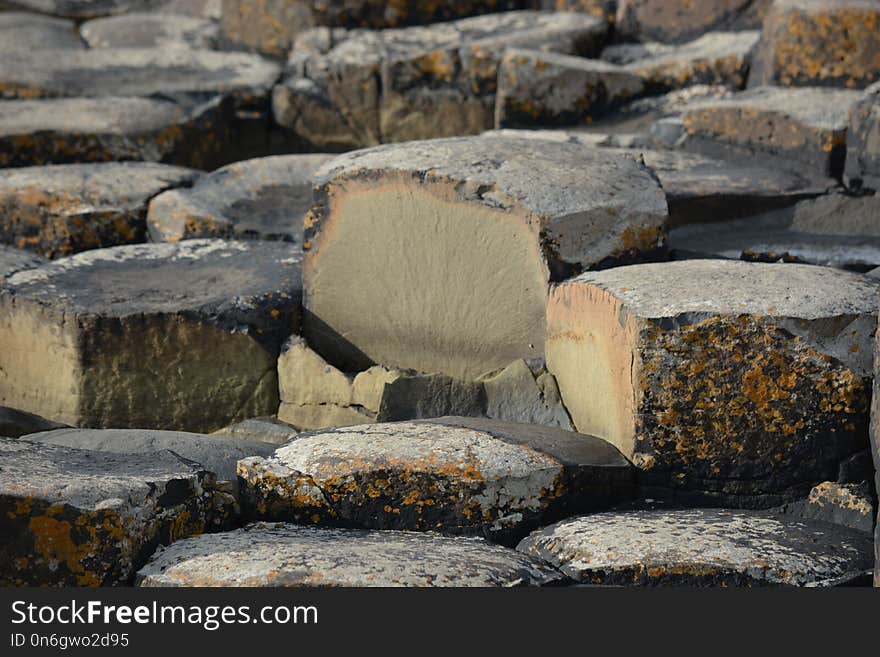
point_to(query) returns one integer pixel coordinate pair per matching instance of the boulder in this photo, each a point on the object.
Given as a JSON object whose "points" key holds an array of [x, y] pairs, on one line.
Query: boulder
{"points": [[59, 210], [803, 128], [267, 554], [393, 221], [863, 141], [148, 30], [732, 382], [701, 547], [260, 429], [263, 198], [676, 21], [15, 260], [160, 336], [217, 454], [21, 31], [15, 423], [72, 517], [819, 43], [452, 475], [346, 90]]}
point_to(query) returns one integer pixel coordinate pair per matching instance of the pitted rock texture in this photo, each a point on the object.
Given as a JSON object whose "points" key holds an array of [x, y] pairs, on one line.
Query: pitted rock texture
{"points": [[270, 26], [15, 423], [818, 43], [73, 517], [162, 336], [264, 198], [540, 88], [674, 21], [72, 130], [850, 505], [452, 475], [396, 220], [59, 210], [14, 260], [216, 454], [146, 30], [346, 90], [744, 383], [863, 141], [804, 125], [267, 554], [261, 429], [24, 31], [706, 547]]}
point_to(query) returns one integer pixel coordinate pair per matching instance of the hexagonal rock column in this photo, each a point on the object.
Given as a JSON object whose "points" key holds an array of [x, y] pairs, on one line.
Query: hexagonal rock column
{"points": [[539, 88], [146, 30], [69, 130], [674, 21], [701, 547], [453, 475], [24, 31], [263, 198], [863, 141], [163, 336], [742, 382], [819, 42], [805, 126], [60, 210], [345, 90], [264, 554], [72, 517], [270, 27], [483, 223]]}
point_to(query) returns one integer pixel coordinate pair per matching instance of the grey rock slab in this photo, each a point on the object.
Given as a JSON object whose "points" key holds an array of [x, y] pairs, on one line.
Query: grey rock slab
{"points": [[863, 141], [159, 336], [805, 125], [216, 454], [79, 9], [260, 429], [700, 547], [676, 21], [74, 517], [546, 210], [263, 198], [15, 423], [453, 475], [13, 260], [264, 554], [147, 30], [850, 505], [59, 210], [21, 31], [739, 382]]}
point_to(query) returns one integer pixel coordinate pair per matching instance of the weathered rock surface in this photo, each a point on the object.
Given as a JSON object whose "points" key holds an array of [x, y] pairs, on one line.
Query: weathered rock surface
{"points": [[542, 88], [69, 130], [345, 90], [717, 58], [805, 126], [850, 505], [261, 429], [79, 9], [270, 26], [525, 394], [264, 198], [863, 141], [745, 383], [14, 260], [160, 336], [701, 547], [23, 31], [453, 475], [682, 20], [216, 454], [394, 221], [63, 209], [264, 554], [148, 30], [15, 423], [819, 42], [73, 517]]}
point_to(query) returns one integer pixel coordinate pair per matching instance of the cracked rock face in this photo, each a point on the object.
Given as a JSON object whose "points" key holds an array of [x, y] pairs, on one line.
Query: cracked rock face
{"points": [[346, 90], [161, 336], [59, 210], [264, 554], [393, 221], [804, 125], [453, 475], [73, 517], [217, 454], [746, 383], [701, 547], [263, 198], [863, 141], [818, 43]]}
